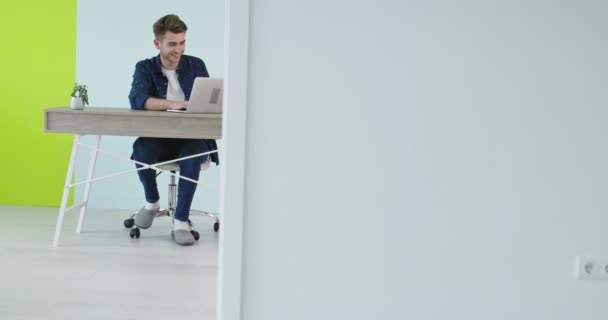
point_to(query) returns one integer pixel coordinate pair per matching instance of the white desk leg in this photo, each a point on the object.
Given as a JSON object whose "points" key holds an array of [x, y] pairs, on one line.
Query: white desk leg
{"points": [[66, 189], [87, 186]]}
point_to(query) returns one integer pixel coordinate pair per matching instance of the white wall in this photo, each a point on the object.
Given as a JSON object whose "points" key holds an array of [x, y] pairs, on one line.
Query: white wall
{"points": [[112, 36], [425, 159]]}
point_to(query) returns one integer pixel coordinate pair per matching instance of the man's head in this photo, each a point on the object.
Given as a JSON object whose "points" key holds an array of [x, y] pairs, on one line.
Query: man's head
{"points": [[170, 39]]}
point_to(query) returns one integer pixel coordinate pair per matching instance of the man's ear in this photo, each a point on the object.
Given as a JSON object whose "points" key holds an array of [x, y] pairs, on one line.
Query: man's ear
{"points": [[157, 44]]}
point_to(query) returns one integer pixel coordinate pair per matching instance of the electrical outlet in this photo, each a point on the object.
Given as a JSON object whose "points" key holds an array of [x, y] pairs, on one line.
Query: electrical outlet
{"points": [[591, 268]]}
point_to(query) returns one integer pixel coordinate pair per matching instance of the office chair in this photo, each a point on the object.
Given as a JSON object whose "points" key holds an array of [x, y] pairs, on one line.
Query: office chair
{"points": [[170, 210]]}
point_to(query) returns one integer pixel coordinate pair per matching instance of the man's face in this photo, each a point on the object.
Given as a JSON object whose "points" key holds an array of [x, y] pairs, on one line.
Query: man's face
{"points": [[171, 47]]}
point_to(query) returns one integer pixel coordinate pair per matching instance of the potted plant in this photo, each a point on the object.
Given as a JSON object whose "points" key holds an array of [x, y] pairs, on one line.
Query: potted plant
{"points": [[80, 97]]}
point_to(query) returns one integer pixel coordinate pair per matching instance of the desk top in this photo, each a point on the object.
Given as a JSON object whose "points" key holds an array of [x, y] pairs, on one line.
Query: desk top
{"points": [[127, 122]]}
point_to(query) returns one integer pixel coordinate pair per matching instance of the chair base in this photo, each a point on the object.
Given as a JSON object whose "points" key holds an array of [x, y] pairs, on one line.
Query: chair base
{"points": [[170, 212], [129, 223]]}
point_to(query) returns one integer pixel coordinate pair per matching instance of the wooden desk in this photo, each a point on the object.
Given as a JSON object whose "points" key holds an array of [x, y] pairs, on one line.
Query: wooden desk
{"points": [[127, 122], [100, 121]]}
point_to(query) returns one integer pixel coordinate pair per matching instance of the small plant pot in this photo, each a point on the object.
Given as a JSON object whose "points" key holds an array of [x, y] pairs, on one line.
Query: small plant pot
{"points": [[76, 103]]}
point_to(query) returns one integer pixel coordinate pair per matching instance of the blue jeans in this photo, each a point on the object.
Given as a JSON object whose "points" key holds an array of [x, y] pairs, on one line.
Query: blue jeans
{"points": [[155, 150]]}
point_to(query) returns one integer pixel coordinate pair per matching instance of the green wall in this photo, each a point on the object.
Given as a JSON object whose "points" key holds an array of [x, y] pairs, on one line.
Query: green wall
{"points": [[38, 67]]}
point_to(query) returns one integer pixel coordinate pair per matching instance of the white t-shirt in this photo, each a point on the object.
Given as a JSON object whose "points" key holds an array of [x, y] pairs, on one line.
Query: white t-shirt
{"points": [[174, 90]]}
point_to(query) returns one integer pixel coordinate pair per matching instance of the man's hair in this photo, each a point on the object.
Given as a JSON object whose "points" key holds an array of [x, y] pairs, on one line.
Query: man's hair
{"points": [[170, 23]]}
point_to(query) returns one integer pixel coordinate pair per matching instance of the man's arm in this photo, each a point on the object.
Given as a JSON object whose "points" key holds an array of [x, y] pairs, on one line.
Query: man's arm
{"points": [[140, 87], [156, 104]]}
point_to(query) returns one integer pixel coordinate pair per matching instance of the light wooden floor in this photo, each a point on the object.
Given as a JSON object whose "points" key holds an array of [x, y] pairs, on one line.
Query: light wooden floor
{"points": [[102, 273]]}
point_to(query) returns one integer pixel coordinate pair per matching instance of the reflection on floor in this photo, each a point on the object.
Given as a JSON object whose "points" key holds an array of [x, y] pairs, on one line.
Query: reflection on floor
{"points": [[102, 273]]}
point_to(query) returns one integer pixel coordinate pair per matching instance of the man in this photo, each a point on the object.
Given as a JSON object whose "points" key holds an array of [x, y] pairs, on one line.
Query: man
{"points": [[160, 83]]}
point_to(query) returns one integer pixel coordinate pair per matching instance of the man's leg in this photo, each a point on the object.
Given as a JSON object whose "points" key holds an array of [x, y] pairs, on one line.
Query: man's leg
{"points": [[148, 151], [190, 168]]}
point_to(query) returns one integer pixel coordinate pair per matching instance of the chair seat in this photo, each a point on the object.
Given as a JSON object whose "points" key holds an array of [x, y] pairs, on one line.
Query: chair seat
{"points": [[174, 166]]}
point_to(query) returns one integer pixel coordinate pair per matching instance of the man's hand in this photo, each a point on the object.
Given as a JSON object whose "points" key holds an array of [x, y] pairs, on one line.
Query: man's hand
{"points": [[177, 105]]}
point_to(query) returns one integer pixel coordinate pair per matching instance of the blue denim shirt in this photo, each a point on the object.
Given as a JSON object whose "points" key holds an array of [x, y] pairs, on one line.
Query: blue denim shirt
{"points": [[149, 80]]}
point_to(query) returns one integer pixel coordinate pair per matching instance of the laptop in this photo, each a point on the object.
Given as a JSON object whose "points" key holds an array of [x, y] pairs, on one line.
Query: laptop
{"points": [[206, 96]]}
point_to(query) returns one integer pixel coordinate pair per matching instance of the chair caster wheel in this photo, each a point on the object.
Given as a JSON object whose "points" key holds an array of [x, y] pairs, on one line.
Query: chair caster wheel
{"points": [[216, 226], [196, 235], [128, 223], [134, 233]]}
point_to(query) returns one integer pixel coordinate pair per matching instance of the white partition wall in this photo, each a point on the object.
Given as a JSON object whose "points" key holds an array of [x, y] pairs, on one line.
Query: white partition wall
{"points": [[111, 37], [424, 160]]}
